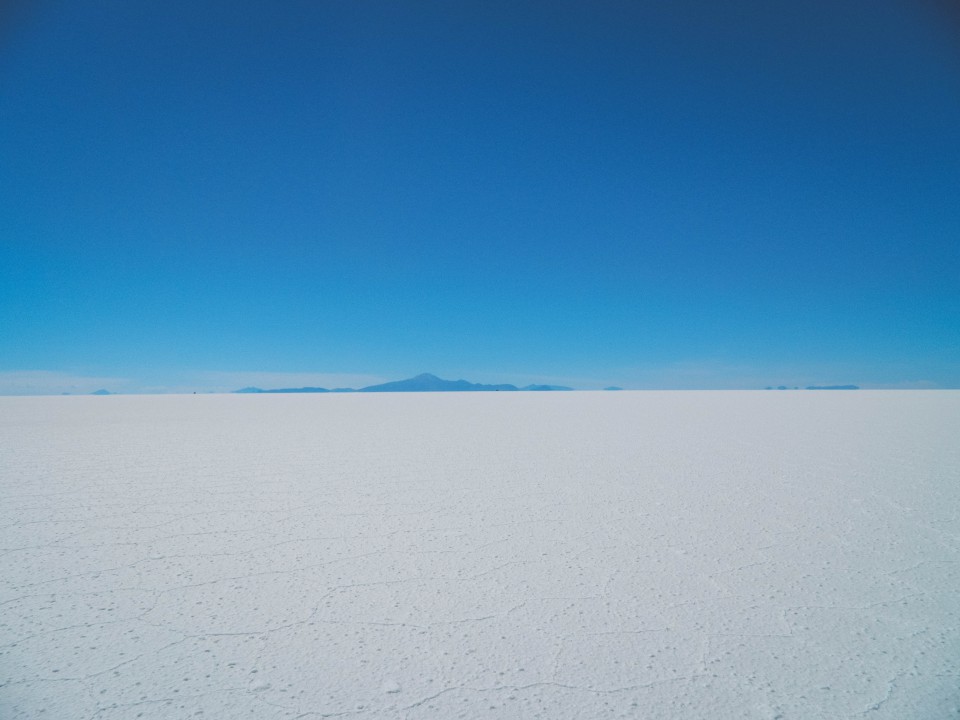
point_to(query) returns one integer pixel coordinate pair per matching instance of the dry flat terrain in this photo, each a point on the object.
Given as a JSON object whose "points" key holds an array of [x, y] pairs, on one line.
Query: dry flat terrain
{"points": [[481, 555]]}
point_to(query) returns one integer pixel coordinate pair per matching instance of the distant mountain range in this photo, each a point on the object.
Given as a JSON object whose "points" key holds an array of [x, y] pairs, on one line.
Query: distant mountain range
{"points": [[421, 383]]}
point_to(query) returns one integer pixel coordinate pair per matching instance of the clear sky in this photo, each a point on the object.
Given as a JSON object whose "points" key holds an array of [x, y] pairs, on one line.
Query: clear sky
{"points": [[201, 195]]}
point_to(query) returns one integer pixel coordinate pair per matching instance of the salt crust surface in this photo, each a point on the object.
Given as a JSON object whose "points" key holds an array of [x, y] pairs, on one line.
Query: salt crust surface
{"points": [[481, 555]]}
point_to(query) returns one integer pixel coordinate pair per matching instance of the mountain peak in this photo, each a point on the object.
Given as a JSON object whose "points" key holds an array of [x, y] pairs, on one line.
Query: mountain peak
{"points": [[424, 382]]}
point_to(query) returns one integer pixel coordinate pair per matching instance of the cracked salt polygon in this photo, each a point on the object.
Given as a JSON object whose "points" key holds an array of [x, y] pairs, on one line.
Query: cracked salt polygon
{"points": [[567, 556]]}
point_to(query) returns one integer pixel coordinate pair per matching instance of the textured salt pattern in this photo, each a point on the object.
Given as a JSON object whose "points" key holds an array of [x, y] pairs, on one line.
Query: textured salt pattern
{"points": [[575, 555]]}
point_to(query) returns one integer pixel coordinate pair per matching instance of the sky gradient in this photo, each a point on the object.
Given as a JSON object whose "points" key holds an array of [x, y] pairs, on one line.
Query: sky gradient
{"points": [[649, 195]]}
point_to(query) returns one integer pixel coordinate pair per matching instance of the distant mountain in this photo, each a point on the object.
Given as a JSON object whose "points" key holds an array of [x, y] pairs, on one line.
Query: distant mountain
{"points": [[431, 383], [613, 387], [101, 392], [421, 383]]}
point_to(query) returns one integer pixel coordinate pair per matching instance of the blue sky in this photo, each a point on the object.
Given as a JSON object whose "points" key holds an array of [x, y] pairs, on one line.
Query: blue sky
{"points": [[654, 195]]}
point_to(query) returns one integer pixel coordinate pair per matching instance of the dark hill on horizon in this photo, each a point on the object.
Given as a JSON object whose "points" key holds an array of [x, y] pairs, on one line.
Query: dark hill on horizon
{"points": [[424, 382]]}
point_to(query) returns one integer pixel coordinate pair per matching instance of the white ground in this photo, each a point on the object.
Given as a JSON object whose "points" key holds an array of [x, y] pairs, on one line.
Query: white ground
{"points": [[481, 555]]}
